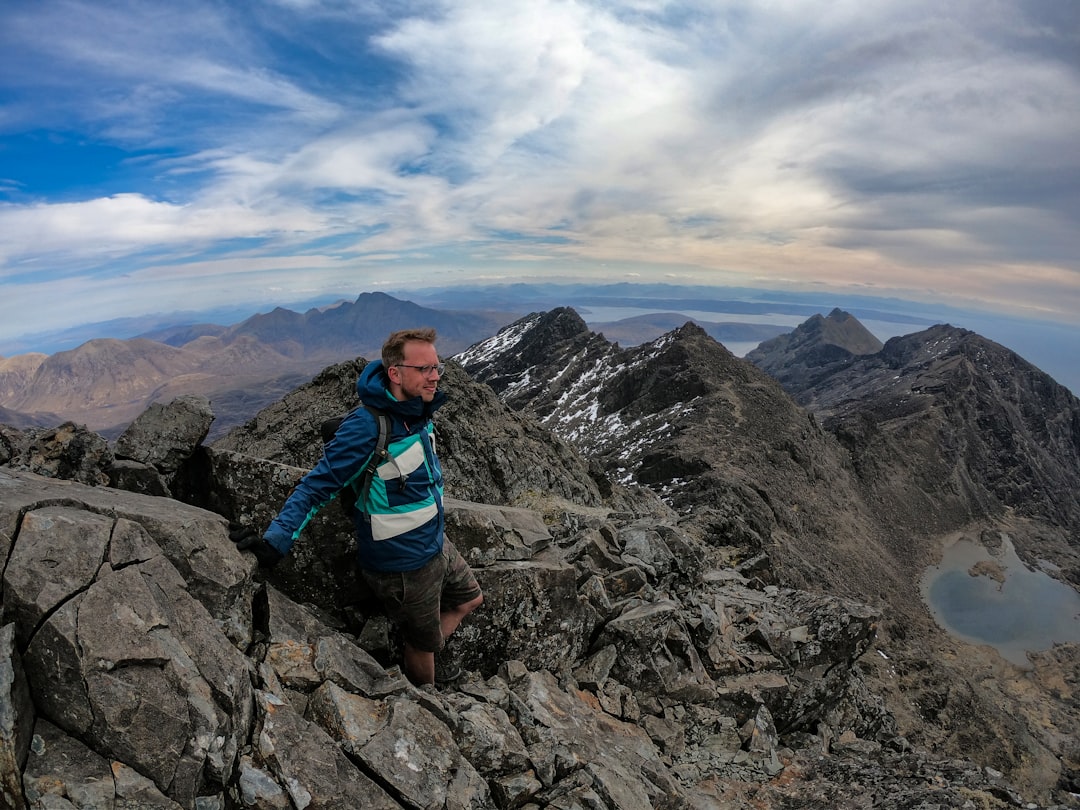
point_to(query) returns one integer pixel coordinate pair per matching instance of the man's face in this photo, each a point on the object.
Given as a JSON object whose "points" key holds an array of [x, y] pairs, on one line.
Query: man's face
{"points": [[407, 381]]}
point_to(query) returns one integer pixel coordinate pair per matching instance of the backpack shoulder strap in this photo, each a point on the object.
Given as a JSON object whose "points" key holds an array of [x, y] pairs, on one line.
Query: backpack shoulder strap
{"points": [[354, 494], [378, 455]]}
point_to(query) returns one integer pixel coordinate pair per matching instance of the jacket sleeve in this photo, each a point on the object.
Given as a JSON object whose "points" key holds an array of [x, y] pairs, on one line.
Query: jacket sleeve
{"points": [[343, 460]]}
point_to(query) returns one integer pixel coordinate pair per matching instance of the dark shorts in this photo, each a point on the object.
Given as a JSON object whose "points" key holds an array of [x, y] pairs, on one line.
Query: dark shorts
{"points": [[414, 600]]}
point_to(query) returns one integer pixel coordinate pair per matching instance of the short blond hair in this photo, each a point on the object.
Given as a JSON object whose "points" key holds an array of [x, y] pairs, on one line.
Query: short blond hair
{"points": [[393, 350]]}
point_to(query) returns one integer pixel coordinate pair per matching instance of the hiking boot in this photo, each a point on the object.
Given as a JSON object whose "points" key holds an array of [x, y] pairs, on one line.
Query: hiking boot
{"points": [[447, 671]]}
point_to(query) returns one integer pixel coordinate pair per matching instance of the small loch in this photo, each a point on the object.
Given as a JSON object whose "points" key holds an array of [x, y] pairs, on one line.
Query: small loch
{"points": [[986, 596]]}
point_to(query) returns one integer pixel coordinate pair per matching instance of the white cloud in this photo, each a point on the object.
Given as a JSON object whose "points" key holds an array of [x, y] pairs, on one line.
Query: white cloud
{"points": [[99, 229]]}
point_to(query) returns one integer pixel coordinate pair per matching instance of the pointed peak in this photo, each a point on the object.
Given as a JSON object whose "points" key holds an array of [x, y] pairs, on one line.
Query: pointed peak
{"points": [[840, 329], [562, 322], [690, 329]]}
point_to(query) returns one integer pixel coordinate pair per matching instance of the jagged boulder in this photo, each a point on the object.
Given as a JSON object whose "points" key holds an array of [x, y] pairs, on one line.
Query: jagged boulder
{"points": [[572, 743], [303, 762], [154, 447], [303, 652], [13, 443], [532, 611], [192, 540], [405, 741], [64, 773], [69, 452]]}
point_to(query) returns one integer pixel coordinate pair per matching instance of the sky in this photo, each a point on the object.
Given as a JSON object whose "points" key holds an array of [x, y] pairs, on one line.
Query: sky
{"points": [[157, 156]]}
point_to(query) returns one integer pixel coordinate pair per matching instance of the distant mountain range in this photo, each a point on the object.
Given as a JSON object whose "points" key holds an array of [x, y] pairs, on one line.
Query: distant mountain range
{"points": [[106, 382], [911, 402], [1052, 346]]}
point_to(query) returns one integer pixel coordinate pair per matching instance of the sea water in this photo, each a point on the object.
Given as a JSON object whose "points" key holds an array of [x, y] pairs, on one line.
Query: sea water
{"points": [[882, 330], [992, 597]]}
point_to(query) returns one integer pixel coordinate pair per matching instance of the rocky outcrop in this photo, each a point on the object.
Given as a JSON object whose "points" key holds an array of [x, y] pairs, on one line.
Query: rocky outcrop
{"points": [[162, 673], [146, 458], [155, 447], [68, 451], [164, 435]]}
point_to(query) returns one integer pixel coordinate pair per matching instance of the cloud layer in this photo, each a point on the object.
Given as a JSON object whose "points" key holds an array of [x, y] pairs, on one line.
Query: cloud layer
{"points": [[153, 153]]}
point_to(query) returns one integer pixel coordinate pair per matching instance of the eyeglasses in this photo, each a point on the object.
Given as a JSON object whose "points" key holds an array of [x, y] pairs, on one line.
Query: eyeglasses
{"points": [[426, 371]]}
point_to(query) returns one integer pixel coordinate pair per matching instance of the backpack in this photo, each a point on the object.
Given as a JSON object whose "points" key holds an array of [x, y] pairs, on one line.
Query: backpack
{"points": [[356, 491]]}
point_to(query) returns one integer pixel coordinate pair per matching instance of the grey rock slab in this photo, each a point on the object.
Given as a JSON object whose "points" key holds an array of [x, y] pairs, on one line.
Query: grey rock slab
{"points": [[490, 742], [134, 476], [194, 540], [648, 546], [57, 555], [352, 720], [412, 750], [491, 533], [53, 668], [69, 451], [304, 652], [656, 652], [259, 789], [309, 764], [136, 665], [531, 612], [595, 671], [62, 772], [616, 754], [515, 791]]}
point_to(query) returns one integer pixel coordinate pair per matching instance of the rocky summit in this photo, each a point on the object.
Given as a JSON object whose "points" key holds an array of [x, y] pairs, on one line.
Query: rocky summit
{"points": [[697, 595]]}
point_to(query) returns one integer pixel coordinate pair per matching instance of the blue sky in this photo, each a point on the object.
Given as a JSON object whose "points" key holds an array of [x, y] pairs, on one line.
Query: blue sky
{"points": [[157, 156]]}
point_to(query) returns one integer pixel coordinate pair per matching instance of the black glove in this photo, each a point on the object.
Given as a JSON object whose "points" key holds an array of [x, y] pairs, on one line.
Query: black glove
{"points": [[247, 539]]}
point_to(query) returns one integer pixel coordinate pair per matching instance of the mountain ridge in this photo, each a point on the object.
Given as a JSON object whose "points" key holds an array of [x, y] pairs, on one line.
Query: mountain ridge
{"points": [[858, 499], [667, 415], [936, 384]]}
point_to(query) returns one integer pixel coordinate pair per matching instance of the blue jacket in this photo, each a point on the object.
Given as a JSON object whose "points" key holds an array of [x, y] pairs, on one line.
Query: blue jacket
{"points": [[400, 527]]}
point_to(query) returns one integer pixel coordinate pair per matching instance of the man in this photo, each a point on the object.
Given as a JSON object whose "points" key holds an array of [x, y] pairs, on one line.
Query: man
{"points": [[424, 584]]}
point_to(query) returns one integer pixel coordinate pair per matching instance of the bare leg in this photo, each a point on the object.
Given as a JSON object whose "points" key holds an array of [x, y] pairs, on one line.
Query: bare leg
{"points": [[450, 619], [419, 665]]}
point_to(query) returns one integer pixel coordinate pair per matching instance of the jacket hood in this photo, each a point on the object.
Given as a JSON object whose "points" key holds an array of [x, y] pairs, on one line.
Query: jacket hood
{"points": [[372, 388]]}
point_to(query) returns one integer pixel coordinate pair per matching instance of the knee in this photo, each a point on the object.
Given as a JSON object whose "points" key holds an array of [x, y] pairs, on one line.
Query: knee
{"points": [[473, 604]]}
